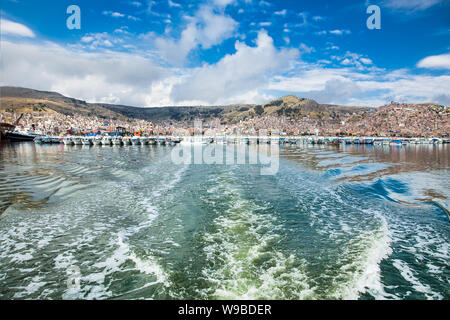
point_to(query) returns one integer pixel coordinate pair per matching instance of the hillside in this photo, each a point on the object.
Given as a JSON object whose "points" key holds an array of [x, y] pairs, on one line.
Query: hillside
{"points": [[18, 100]]}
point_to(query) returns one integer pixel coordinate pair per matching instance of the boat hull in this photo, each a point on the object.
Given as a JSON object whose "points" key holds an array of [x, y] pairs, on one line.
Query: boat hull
{"points": [[18, 137]]}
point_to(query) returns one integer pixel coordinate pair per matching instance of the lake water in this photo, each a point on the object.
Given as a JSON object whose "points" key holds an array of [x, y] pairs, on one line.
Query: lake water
{"points": [[348, 222]]}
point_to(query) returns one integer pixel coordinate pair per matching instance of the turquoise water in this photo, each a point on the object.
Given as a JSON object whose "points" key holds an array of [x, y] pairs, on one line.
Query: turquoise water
{"points": [[349, 222]]}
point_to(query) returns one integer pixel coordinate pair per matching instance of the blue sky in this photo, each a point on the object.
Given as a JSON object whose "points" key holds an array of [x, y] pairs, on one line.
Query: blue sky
{"points": [[156, 53]]}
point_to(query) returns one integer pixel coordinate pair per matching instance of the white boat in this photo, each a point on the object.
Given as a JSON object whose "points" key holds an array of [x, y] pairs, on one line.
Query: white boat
{"points": [[193, 140], [67, 141], [161, 141], [117, 141], [38, 140], [176, 140], [47, 140], [56, 139], [86, 141], [106, 141], [144, 141], [77, 141], [97, 141], [152, 141], [126, 141], [135, 141]]}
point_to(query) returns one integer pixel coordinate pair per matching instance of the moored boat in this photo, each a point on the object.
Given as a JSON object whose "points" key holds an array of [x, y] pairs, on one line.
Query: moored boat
{"points": [[86, 141], [46, 140], [144, 141], [126, 141], [97, 141], [23, 135], [38, 140], [77, 141], [67, 141], [117, 141], [56, 139], [135, 141], [106, 141]]}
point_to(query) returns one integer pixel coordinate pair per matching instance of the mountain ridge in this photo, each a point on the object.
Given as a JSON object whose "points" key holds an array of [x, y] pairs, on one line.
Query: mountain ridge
{"points": [[19, 99]]}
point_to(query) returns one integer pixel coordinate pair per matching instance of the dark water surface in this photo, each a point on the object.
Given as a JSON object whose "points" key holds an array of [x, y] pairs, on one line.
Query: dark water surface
{"points": [[349, 222]]}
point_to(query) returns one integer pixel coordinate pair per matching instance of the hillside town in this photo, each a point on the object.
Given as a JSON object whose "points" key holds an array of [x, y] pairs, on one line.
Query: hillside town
{"points": [[393, 120]]}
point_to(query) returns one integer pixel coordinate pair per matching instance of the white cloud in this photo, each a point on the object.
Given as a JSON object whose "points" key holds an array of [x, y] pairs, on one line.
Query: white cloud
{"points": [[248, 69], [336, 32], [98, 40], [97, 77], [339, 32], [305, 49], [113, 14], [413, 5], [120, 15], [223, 3], [206, 29], [351, 86], [355, 60], [281, 13], [435, 62], [174, 4], [8, 27], [137, 4], [336, 91]]}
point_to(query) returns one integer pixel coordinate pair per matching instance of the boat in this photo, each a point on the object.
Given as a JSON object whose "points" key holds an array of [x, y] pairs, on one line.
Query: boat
{"points": [[47, 140], [436, 141], [117, 141], [67, 141], [144, 141], [397, 141], [56, 139], [106, 141], [161, 141], [135, 141], [152, 141], [97, 141], [21, 135], [176, 140], [86, 141], [77, 141], [126, 141], [37, 140]]}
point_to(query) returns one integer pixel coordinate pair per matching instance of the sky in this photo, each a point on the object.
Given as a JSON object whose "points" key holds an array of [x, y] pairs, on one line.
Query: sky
{"points": [[151, 53]]}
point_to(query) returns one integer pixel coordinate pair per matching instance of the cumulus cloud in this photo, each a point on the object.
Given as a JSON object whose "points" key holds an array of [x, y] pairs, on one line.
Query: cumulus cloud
{"points": [[248, 69], [96, 77], [8, 27], [351, 86], [435, 62], [206, 29], [335, 91]]}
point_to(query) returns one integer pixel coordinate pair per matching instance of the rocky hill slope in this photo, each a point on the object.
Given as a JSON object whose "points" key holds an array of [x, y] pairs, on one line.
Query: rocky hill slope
{"points": [[17, 100]]}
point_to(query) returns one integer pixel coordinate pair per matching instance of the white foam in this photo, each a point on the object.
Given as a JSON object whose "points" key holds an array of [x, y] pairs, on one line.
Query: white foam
{"points": [[409, 275], [367, 275], [236, 246]]}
